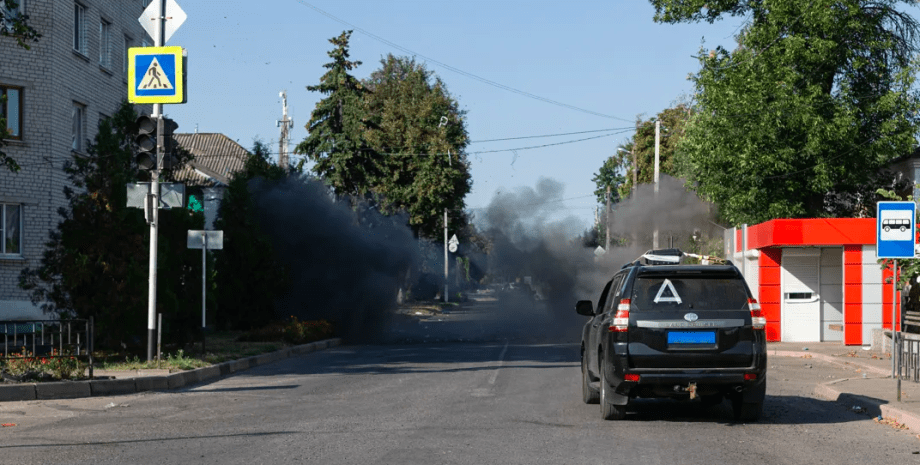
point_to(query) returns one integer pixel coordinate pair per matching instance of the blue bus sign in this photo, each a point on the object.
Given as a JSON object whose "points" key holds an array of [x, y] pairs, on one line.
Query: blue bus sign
{"points": [[895, 229]]}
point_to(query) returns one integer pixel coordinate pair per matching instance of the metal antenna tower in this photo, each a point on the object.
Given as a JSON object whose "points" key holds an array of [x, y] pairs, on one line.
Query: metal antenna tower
{"points": [[285, 124]]}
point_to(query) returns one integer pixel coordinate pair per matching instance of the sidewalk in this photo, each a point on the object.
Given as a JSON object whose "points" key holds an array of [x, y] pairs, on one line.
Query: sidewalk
{"points": [[870, 389]]}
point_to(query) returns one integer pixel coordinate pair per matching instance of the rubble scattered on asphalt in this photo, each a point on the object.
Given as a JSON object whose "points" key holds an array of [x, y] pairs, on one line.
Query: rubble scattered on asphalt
{"points": [[857, 409], [807, 356], [7, 425], [891, 422]]}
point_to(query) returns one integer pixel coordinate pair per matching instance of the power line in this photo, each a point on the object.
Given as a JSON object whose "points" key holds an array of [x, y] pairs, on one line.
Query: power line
{"points": [[548, 135], [499, 150], [460, 71]]}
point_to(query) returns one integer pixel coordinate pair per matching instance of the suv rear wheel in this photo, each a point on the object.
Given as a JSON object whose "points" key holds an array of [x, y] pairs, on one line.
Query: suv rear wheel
{"points": [[608, 410], [588, 394]]}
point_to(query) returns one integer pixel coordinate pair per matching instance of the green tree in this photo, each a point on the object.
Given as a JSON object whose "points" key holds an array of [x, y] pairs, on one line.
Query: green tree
{"points": [[95, 263], [421, 130], [337, 126], [249, 276], [800, 119], [16, 26]]}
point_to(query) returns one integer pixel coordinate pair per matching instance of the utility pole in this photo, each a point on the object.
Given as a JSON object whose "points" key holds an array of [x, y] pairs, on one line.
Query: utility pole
{"points": [[285, 124], [445, 257], [159, 39], [607, 222], [657, 144]]}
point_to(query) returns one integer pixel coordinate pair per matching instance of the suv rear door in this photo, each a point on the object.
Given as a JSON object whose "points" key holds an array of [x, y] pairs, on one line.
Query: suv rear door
{"points": [[689, 318]]}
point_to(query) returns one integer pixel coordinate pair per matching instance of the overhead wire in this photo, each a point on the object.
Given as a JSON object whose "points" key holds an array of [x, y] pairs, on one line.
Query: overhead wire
{"points": [[460, 71]]}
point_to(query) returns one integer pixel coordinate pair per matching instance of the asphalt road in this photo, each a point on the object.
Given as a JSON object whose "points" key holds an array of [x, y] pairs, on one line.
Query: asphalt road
{"points": [[469, 402]]}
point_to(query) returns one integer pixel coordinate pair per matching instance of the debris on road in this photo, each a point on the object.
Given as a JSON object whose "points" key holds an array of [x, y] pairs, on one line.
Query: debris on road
{"points": [[891, 422], [7, 425]]}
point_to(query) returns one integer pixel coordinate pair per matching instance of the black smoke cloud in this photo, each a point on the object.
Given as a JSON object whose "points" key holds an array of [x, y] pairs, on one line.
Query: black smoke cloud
{"points": [[346, 264], [528, 242]]}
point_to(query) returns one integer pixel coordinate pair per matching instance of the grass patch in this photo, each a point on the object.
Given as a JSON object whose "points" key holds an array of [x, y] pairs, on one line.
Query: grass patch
{"points": [[222, 346]]}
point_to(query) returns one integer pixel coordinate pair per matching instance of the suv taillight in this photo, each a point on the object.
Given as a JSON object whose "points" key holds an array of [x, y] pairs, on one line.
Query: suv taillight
{"points": [[758, 321], [621, 319]]}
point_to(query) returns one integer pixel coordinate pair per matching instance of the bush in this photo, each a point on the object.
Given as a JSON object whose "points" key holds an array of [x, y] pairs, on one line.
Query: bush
{"points": [[302, 332], [57, 366]]}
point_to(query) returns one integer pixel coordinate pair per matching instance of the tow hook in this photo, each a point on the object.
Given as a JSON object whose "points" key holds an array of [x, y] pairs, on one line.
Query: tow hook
{"points": [[691, 388]]}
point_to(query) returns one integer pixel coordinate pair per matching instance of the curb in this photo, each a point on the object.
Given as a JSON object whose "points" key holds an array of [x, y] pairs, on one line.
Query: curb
{"points": [[873, 407], [109, 387], [826, 358]]}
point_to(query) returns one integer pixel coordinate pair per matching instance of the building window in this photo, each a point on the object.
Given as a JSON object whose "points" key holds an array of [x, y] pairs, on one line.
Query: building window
{"points": [[78, 116], [11, 110], [11, 229], [79, 28], [105, 43], [10, 13]]}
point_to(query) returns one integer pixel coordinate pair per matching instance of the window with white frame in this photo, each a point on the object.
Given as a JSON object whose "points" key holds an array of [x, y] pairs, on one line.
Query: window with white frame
{"points": [[105, 43], [11, 229], [11, 110], [78, 116], [79, 28]]}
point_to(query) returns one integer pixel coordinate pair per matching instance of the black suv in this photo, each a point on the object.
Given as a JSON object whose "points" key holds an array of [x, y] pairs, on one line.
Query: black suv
{"points": [[666, 329]]}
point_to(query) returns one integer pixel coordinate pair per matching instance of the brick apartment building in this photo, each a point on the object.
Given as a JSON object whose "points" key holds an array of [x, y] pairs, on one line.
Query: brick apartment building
{"points": [[75, 75]]}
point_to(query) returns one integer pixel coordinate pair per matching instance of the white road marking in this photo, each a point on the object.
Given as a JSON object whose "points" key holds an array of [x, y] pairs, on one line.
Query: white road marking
{"points": [[501, 358]]}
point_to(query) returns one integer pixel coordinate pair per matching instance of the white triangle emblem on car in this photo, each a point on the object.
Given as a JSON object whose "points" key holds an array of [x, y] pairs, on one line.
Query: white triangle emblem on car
{"points": [[661, 297]]}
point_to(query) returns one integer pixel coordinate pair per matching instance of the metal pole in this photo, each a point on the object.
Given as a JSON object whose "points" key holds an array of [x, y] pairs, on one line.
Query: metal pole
{"points": [[657, 144], [894, 293], [895, 340], [204, 289], [445, 257], [607, 222], [159, 337], [155, 190]]}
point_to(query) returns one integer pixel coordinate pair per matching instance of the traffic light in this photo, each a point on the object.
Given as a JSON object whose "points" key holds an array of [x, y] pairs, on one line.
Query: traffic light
{"points": [[146, 141], [170, 159]]}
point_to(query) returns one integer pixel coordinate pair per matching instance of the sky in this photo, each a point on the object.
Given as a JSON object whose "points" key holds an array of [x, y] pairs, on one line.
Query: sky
{"points": [[608, 59]]}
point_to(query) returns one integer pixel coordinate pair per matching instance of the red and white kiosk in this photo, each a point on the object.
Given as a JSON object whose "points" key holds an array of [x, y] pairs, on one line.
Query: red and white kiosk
{"points": [[815, 279]]}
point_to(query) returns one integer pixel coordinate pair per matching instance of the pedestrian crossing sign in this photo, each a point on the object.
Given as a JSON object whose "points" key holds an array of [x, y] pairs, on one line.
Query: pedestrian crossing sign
{"points": [[156, 75]]}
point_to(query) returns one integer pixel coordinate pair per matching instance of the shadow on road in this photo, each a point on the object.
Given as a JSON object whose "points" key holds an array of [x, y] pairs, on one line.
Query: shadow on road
{"points": [[427, 358], [778, 410]]}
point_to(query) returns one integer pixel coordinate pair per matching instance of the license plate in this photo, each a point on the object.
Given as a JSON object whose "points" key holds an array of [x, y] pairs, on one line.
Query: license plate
{"points": [[691, 337]]}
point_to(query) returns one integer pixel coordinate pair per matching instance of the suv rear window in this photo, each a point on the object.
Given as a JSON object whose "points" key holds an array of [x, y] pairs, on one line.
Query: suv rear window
{"points": [[662, 293]]}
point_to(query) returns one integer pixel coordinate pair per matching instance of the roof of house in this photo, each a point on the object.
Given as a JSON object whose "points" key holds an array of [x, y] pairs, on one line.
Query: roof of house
{"points": [[217, 157]]}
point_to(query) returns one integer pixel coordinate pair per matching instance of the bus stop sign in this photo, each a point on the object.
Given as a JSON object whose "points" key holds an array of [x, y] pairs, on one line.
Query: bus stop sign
{"points": [[895, 229]]}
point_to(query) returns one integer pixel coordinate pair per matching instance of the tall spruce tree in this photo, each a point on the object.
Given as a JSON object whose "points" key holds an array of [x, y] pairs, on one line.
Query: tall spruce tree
{"points": [[337, 126]]}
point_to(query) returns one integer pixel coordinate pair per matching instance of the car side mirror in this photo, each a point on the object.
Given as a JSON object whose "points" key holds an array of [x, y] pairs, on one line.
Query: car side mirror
{"points": [[585, 307]]}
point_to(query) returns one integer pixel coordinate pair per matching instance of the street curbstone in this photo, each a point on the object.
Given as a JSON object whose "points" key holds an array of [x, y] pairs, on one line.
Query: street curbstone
{"points": [[104, 387], [224, 368], [208, 373], [151, 383], [108, 387], [239, 365], [14, 392], [62, 390], [175, 380]]}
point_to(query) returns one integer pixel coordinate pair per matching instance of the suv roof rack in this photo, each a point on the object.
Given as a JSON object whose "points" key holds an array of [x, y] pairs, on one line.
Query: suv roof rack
{"points": [[673, 257]]}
